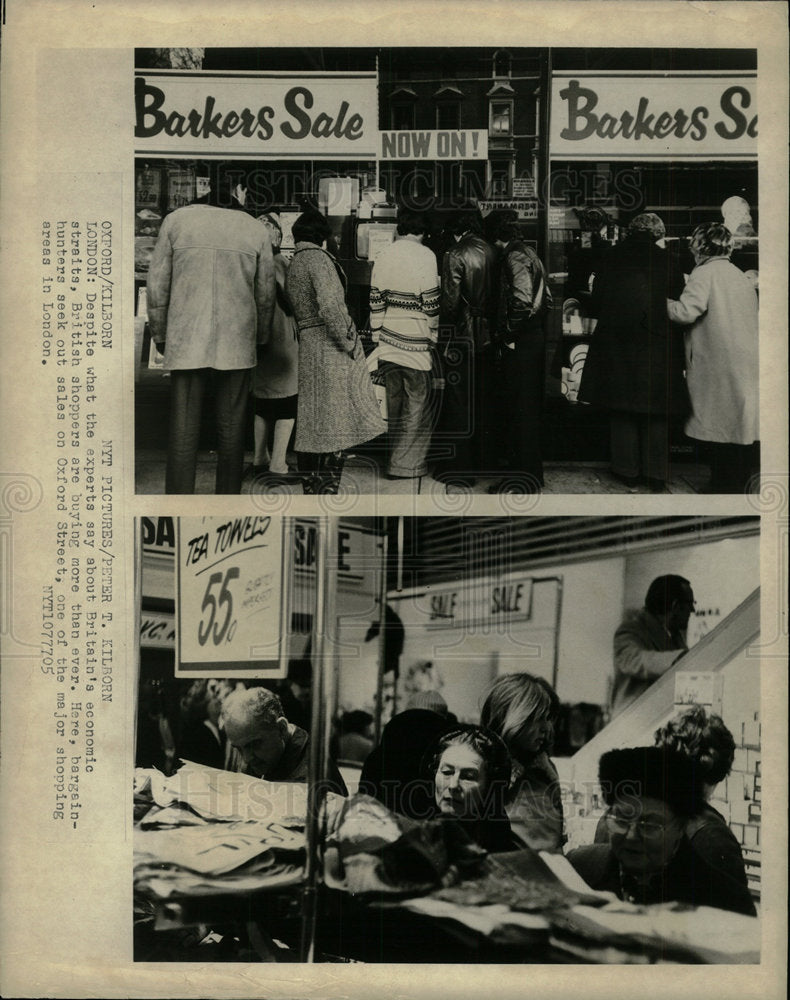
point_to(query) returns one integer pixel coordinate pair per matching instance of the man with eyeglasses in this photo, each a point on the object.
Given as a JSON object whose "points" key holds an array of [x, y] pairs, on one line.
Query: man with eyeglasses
{"points": [[649, 641]]}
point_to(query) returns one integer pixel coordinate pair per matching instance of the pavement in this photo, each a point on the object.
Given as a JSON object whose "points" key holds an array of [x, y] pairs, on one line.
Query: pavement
{"points": [[362, 475]]}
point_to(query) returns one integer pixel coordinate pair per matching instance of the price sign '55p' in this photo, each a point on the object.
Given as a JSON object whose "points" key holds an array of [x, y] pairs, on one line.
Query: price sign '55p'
{"points": [[230, 596]]}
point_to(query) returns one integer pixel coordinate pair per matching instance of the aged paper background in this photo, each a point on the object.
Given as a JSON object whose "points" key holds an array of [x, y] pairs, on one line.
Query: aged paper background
{"points": [[67, 153]]}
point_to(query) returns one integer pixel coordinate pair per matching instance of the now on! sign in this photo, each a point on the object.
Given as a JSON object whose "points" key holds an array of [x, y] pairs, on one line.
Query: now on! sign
{"points": [[440, 144]]}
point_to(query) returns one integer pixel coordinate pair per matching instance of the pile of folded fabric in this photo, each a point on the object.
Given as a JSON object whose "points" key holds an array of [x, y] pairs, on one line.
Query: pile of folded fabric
{"points": [[373, 850]]}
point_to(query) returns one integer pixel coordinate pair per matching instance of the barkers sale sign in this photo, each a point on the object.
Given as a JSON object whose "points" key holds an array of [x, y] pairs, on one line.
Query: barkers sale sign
{"points": [[260, 115], [653, 116]]}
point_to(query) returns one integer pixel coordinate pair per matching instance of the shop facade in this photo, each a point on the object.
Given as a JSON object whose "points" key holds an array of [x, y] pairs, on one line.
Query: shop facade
{"points": [[571, 143], [672, 132]]}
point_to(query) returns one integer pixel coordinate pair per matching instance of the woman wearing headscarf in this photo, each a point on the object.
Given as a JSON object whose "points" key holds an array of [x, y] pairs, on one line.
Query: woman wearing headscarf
{"points": [[521, 710], [469, 768], [719, 307], [337, 407], [634, 366]]}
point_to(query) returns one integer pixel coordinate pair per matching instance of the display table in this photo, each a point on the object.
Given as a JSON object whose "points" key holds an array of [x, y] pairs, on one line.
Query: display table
{"points": [[220, 858]]}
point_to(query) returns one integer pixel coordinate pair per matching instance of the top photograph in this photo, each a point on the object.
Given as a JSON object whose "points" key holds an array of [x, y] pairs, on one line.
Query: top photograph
{"points": [[432, 271]]}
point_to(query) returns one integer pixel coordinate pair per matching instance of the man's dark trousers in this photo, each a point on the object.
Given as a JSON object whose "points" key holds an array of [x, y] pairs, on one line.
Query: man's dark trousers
{"points": [[188, 386]]}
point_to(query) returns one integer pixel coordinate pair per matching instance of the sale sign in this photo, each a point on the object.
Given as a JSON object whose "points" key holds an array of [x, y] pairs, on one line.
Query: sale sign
{"points": [[261, 115], [653, 116], [230, 606]]}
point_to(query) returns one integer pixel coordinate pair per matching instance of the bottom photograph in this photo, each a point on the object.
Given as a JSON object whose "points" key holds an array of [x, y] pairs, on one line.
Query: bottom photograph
{"points": [[447, 740]]}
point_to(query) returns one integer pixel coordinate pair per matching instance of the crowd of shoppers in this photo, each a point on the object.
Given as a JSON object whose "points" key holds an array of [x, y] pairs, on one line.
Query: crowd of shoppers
{"points": [[460, 338], [659, 840]]}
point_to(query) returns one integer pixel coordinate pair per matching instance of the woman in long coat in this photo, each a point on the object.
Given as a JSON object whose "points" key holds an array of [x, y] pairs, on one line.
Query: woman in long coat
{"points": [[719, 304], [337, 407], [634, 366]]}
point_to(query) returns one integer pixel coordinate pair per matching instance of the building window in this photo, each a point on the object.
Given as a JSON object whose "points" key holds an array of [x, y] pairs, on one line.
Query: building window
{"points": [[501, 63], [501, 122], [402, 116], [500, 178], [448, 115], [448, 180]]}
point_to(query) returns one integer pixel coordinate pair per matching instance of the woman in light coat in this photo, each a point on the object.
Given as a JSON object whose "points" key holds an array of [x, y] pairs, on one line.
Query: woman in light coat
{"points": [[337, 407], [719, 306]]}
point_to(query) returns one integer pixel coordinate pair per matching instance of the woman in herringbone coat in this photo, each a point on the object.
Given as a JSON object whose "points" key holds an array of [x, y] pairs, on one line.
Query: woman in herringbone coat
{"points": [[337, 407]]}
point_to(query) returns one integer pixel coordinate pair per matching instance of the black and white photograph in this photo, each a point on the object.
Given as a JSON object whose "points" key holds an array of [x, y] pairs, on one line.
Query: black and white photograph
{"points": [[486, 270], [481, 739], [394, 499]]}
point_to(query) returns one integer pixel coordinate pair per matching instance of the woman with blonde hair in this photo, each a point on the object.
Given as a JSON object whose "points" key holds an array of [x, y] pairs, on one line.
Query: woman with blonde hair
{"points": [[521, 710]]}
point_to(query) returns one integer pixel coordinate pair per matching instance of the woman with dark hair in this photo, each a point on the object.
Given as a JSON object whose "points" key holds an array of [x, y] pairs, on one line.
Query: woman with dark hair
{"points": [[634, 367], [719, 307], [274, 380], [470, 770], [392, 772], [710, 745], [202, 739], [355, 741], [522, 710], [652, 793], [337, 407]]}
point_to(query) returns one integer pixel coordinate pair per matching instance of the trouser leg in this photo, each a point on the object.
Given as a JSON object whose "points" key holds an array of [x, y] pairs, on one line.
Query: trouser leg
{"points": [[457, 421], [524, 399], [233, 390], [654, 447], [393, 386], [187, 388], [409, 391], [624, 444], [730, 467], [486, 426]]}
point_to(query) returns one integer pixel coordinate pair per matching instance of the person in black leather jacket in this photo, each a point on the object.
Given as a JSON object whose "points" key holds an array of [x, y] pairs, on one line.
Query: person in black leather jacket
{"points": [[467, 312], [524, 300]]}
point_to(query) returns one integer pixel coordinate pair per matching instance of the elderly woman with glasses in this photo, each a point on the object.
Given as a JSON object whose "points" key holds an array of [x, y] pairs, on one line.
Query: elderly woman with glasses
{"points": [[652, 793]]}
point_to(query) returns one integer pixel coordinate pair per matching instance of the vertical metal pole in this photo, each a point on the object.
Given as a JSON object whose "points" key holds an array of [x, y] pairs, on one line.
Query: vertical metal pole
{"points": [[557, 624], [323, 705], [378, 111], [138, 614], [399, 586], [399, 578], [382, 657], [545, 155]]}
